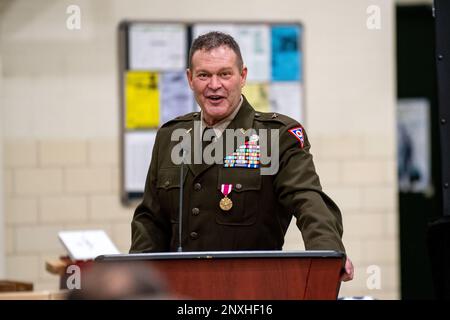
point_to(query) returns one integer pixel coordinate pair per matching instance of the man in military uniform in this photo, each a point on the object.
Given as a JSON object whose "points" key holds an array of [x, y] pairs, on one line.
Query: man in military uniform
{"points": [[231, 205]]}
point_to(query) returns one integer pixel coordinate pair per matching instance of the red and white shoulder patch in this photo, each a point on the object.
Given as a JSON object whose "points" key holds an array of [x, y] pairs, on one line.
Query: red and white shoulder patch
{"points": [[298, 134]]}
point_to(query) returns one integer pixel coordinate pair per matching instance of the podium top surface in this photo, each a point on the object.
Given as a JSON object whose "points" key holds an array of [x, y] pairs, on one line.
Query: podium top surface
{"points": [[221, 255]]}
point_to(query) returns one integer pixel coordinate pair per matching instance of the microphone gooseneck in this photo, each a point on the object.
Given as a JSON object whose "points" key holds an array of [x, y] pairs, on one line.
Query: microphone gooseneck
{"points": [[180, 208]]}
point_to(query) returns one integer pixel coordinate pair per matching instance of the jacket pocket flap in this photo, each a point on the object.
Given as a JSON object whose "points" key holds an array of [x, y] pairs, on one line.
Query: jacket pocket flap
{"points": [[168, 178], [242, 179]]}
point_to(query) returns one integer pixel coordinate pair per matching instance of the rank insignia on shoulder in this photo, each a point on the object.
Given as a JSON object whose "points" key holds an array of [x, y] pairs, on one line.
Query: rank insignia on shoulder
{"points": [[298, 134]]}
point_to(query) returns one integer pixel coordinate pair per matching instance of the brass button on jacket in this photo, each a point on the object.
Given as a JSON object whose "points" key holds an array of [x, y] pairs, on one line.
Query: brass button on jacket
{"points": [[195, 211], [197, 186]]}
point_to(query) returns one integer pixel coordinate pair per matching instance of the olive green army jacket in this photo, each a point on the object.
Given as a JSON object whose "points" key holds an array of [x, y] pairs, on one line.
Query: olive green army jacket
{"points": [[263, 205]]}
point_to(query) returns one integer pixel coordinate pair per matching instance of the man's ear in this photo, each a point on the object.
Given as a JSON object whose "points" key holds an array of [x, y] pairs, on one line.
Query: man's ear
{"points": [[189, 77], [243, 76]]}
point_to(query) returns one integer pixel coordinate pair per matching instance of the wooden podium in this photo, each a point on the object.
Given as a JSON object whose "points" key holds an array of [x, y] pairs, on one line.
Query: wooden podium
{"points": [[246, 275]]}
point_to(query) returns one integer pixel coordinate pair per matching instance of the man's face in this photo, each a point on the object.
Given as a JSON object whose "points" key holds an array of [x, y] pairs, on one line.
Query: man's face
{"points": [[216, 82]]}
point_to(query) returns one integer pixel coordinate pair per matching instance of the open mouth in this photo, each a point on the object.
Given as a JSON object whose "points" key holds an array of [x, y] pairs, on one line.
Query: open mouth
{"points": [[215, 98]]}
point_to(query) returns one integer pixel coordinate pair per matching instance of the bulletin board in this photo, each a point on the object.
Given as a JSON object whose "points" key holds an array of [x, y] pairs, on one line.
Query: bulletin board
{"points": [[153, 57]]}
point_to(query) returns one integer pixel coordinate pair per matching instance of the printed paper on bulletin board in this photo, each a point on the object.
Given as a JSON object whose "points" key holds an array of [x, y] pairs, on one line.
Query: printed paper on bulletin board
{"points": [[138, 146], [159, 47], [283, 96], [142, 100], [258, 94]]}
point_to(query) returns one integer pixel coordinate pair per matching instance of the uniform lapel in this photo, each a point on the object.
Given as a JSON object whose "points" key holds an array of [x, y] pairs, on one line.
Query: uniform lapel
{"points": [[244, 118]]}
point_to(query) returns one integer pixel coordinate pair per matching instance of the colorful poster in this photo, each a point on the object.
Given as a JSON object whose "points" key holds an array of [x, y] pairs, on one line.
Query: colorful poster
{"points": [[286, 53], [176, 96], [142, 100], [258, 96]]}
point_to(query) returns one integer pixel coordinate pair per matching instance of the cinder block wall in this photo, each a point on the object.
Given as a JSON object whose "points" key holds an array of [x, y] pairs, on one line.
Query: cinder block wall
{"points": [[61, 123], [59, 185]]}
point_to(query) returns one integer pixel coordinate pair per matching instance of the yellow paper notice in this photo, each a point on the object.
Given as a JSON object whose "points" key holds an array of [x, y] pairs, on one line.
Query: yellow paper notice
{"points": [[258, 96], [142, 100]]}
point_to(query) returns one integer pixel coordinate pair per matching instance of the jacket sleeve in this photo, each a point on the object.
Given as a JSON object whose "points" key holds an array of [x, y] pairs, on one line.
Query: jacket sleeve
{"points": [[150, 232], [299, 191]]}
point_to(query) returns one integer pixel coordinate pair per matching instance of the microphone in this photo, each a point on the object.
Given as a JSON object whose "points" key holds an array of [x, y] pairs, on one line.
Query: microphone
{"points": [[180, 209]]}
